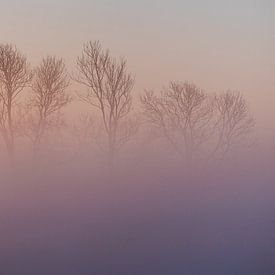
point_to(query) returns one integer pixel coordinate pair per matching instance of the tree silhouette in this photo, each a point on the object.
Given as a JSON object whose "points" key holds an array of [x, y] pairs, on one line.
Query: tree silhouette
{"points": [[182, 113], [48, 98], [109, 90], [234, 123], [196, 124], [14, 77]]}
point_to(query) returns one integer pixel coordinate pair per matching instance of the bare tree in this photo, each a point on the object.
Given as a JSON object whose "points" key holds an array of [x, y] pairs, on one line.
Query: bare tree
{"points": [[109, 90], [182, 113], [194, 123], [48, 98], [14, 77], [233, 122]]}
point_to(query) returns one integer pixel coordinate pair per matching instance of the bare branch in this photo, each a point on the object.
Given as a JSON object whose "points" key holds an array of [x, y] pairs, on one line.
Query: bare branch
{"points": [[15, 75], [49, 97], [109, 89]]}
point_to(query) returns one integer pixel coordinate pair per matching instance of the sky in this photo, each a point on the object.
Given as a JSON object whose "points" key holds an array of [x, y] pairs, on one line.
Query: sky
{"points": [[216, 44], [73, 220]]}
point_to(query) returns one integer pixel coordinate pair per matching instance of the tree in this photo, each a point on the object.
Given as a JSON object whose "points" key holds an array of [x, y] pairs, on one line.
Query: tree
{"points": [[15, 75], [181, 113], [234, 122], [48, 98], [196, 124], [109, 90]]}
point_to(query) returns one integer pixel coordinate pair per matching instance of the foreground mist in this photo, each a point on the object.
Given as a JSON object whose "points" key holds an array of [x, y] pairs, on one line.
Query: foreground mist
{"points": [[146, 216], [171, 182]]}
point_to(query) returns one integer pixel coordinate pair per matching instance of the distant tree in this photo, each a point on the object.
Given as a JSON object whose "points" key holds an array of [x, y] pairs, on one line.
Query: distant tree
{"points": [[234, 122], [49, 97], [109, 91], [182, 113], [196, 124], [15, 75]]}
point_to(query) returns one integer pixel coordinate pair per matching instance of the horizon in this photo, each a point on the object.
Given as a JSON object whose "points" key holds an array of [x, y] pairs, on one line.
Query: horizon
{"points": [[163, 165], [215, 44]]}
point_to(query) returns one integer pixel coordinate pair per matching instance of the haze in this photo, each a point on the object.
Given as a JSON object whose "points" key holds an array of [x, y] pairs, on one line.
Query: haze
{"points": [[216, 44], [172, 186]]}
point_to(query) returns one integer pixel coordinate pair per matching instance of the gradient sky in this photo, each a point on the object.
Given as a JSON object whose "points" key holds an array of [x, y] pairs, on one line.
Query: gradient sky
{"points": [[218, 44]]}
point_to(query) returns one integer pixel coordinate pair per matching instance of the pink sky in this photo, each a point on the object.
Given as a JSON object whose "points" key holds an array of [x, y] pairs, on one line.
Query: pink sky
{"points": [[216, 44]]}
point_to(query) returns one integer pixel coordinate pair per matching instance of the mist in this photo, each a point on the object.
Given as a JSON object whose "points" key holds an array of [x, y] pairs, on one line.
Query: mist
{"points": [[137, 137], [146, 217]]}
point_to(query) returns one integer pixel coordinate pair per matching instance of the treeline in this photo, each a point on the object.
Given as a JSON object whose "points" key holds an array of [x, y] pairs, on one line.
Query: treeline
{"points": [[196, 125]]}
